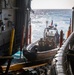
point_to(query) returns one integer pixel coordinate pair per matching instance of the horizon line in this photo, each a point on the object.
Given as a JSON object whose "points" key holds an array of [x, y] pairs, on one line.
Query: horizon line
{"points": [[51, 9]]}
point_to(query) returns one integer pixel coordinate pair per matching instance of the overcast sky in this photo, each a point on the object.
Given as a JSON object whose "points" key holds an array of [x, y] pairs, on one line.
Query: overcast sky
{"points": [[52, 4]]}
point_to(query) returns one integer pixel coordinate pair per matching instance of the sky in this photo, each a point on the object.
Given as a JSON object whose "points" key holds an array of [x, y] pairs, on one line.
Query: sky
{"points": [[52, 4]]}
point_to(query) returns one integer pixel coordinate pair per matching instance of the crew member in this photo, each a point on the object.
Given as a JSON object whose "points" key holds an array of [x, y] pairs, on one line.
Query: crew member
{"points": [[69, 32], [41, 45]]}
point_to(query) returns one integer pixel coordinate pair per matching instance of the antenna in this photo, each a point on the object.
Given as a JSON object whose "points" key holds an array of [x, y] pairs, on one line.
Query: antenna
{"points": [[46, 24]]}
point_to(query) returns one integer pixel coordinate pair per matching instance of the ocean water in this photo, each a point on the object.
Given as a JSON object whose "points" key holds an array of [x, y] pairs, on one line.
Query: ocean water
{"points": [[61, 17]]}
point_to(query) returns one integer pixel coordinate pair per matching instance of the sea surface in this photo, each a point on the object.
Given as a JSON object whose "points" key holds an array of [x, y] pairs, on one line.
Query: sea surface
{"points": [[61, 17]]}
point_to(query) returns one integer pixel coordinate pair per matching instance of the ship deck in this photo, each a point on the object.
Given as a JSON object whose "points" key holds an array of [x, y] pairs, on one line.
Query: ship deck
{"points": [[21, 63]]}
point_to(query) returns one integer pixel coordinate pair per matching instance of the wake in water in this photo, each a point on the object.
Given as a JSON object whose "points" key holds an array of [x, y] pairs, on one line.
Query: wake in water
{"points": [[39, 18]]}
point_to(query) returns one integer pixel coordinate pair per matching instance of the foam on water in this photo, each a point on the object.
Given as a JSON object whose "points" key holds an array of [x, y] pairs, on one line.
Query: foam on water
{"points": [[59, 17]]}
